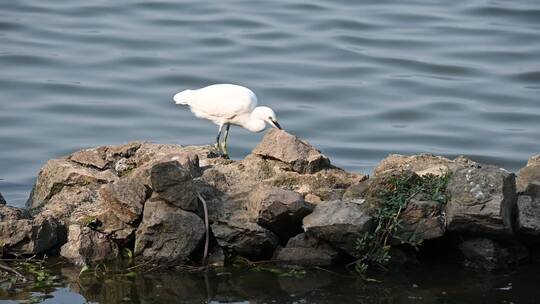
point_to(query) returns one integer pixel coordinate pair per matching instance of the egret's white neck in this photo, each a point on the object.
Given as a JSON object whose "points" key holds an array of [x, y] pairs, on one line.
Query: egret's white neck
{"points": [[252, 123]]}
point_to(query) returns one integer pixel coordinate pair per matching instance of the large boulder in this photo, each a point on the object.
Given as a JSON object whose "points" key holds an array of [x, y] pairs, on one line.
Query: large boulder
{"points": [[125, 198], [528, 174], [291, 150], [308, 251], [20, 234], [281, 211], [339, 223], [421, 220], [168, 234], [528, 215], [482, 201], [174, 184], [86, 246]]}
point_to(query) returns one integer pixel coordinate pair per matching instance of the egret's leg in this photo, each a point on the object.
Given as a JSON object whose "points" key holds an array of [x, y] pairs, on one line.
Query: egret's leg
{"points": [[225, 152], [218, 136]]}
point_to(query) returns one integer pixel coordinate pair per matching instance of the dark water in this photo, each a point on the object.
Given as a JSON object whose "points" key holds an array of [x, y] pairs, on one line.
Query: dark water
{"points": [[442, 284], [359, 79]]}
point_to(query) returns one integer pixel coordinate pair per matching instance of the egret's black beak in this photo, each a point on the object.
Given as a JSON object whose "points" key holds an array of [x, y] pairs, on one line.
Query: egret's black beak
{"points": [[276, 124]]}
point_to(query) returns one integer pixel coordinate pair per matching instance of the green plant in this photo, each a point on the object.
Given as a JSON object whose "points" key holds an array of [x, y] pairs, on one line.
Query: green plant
{"points": [[392, 197]]}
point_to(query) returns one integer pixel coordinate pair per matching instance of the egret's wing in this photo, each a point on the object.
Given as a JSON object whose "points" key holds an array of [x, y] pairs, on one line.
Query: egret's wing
{"points": [[222, 101]]}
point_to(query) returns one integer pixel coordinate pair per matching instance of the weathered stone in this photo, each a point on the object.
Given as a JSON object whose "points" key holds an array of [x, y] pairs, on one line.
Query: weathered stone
{"points": [[167, 234], [528, 174], [2, 200], [245, 238], [90, 157], [421, 164], [60, 173], [489, 255], [102, 219], [339, 223], [528, 215], [421, 220], [22, 235], [482, 201], [174, 184], [308, 251], [125, 198], [86, 246], [281, 211], [356, 191], [285, 147]]}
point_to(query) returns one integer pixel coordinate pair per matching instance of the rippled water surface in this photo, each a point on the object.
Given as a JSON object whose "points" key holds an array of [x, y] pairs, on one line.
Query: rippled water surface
{"points": [[359, 79]]}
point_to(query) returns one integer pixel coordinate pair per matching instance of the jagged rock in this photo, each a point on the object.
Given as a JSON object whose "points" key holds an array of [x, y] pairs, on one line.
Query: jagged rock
{"points": [[2, 200], [308, 251], [422, 220], [528, 215], [167, 233], [528, 174], [339, 223], [281, 211], [245, 238], [125, 198], [482, 200], [174, 184], [22, 235], [356, 191], [91, 157], [489, 255], [58, 174], [421, 164], [290, 149], [86, 246]]}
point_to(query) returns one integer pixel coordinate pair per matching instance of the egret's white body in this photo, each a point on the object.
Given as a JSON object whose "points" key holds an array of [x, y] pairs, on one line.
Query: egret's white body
{"points": [[226, 104]]}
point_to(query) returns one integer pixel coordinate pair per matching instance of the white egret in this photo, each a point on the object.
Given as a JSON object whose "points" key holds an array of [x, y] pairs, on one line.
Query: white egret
{"points": [[226, 105]]}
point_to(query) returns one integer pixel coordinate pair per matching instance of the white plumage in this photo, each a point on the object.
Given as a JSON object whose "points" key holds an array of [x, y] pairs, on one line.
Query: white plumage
{"points": [[225, 105]]}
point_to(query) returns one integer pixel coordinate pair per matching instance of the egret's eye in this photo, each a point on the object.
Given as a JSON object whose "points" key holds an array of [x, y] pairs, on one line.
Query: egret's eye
{"points": [[270, 117]]}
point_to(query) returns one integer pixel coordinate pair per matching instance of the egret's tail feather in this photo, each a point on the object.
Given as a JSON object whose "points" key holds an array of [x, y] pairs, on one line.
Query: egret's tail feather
{"points": [[183, 98]]}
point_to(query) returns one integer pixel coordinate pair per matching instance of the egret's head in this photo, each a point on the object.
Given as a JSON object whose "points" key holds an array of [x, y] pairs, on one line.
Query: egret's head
{"points": [[266, 114]]}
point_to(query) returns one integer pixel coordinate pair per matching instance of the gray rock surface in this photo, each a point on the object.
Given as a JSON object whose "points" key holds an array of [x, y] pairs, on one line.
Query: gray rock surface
{"points": [[308, 251], [422, 220], [339, 223], [421, 164], [168, 234], [174, 184], [2, 200], [528, 215], [528, 174], [482, 201], [125, 198], [86, 246], [298, 154], [280, 211]]}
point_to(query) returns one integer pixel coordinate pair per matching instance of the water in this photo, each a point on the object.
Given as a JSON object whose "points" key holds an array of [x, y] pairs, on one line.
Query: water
{"points": [[359, 79]]}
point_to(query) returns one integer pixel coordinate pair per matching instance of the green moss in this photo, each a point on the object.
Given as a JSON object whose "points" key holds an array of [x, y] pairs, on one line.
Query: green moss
{"points": [[390, 195]]}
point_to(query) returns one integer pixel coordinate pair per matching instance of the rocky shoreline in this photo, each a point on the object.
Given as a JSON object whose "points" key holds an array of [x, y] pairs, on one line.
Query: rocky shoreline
{"points": [[284, 202]]}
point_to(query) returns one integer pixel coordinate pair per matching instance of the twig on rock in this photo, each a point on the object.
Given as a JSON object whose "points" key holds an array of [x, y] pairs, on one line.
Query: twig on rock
{"points": [[207, 228], [11, 270]]}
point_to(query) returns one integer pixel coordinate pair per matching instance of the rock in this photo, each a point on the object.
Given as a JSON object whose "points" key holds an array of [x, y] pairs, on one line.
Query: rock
{"points": [[307, 251], [421, 164], [482, 201], [356, 191], [339, 223], [421, 220], [489, 255], [167, 234], [174, 185], [528, 215], [125, 198], [58, 174], [91, 158], [2, 200], [281, 211], [245, 238], [86, 246], [22, 235], [528, 174], [287, 148]]}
